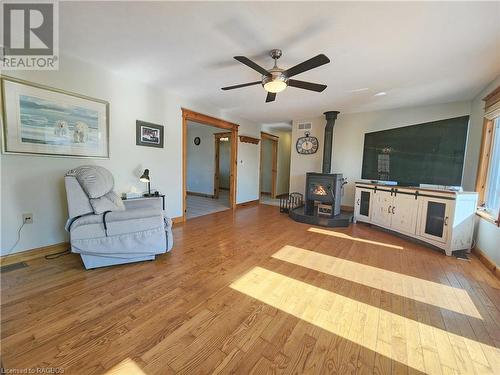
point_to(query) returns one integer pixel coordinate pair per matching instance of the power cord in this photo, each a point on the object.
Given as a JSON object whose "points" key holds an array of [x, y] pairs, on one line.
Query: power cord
{"points": [[48, 257], [57, 255], [18, 239]]}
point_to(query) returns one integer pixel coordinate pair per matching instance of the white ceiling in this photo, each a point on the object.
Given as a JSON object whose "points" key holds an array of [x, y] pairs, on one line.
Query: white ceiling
{"points": [[419, 53]]}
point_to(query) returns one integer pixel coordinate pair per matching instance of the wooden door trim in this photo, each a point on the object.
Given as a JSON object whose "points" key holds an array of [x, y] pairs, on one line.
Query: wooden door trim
{"points": [[189, 115], [269, 136], [274, 167], [217, 137]]}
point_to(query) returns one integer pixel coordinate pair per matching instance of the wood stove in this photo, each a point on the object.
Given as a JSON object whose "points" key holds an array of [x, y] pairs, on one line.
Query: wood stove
{"points": [[324, 189]]}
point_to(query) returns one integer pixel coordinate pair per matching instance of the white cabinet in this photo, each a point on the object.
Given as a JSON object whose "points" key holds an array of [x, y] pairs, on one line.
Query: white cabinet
{"points": [[442, 218]]}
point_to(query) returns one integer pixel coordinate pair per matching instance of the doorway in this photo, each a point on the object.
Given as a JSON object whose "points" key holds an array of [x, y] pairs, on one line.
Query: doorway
{"points": [[222, 167], [228, 128], [268, 165], [275, 158]]}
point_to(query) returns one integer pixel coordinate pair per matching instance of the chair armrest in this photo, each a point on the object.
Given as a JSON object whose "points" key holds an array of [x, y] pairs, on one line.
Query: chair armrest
{"points": [[134, 213], [151, 202]]}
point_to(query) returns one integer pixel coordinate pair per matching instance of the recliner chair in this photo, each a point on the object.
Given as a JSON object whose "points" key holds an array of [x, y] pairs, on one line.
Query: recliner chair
{"points": [[107, 231]]}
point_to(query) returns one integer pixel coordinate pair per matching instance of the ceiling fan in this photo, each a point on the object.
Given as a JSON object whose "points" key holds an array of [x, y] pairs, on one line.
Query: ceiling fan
{"points": [[276, 79]]}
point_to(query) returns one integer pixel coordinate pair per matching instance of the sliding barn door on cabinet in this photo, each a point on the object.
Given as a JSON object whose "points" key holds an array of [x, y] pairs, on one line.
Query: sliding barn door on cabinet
{"points": [[382, 208], [404, 213]]}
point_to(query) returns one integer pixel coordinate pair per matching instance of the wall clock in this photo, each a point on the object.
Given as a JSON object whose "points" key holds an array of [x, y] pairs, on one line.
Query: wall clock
{"points": [[307, 145], [197, 141]]}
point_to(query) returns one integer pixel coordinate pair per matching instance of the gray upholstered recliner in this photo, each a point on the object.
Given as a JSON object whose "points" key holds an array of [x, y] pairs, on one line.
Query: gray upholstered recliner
{"points": [[105, 230]]}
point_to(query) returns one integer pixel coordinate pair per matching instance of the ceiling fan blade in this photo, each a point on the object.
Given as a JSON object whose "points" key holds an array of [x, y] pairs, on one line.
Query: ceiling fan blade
{"points": [[270, 97], [307, 65], [242, 85], [306, 85], [251, 64]]}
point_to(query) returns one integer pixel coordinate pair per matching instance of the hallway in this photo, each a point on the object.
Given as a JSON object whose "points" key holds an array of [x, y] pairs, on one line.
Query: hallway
{"points": [[200, 206]]}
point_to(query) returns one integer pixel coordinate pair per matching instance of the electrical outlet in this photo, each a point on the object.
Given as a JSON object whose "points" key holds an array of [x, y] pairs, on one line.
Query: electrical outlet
{"points": [[28, 218]]}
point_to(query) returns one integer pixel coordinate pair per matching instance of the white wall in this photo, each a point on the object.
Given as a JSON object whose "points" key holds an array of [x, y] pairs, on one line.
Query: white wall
{"points": [[488, 239], [348, 138], [31, 184], [301, 164], [487, 234], [248, 159], [201, 158]]}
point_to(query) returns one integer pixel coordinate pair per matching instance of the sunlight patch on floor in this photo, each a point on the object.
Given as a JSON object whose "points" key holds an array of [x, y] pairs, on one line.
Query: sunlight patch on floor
{"points": [[412, 343], [126, 367], [443, 296], [347, 237]]}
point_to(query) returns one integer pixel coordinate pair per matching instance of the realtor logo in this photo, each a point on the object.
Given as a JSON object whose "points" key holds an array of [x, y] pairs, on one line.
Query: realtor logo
{"points": [[30, 35]]}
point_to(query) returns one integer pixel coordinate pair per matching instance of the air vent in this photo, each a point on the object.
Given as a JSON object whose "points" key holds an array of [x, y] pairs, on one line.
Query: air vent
{"points": [[13, 267], [305, 126]]}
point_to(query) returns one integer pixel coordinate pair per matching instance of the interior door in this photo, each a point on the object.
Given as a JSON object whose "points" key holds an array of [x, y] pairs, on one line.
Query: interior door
{"points": [[362, 204], [404, 213], [382, 206], [434, 219]]}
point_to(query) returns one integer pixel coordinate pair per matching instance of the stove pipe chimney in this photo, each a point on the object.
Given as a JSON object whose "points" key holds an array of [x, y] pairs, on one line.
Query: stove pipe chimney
{"points": [[330, 116]]}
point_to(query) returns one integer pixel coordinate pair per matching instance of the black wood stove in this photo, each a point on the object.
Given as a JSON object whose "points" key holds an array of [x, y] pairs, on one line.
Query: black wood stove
{"points": [[323, 192], [324, 189]]}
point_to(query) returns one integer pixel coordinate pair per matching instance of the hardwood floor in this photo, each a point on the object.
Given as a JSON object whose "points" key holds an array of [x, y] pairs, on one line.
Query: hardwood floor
{"points": [[251, 291]]}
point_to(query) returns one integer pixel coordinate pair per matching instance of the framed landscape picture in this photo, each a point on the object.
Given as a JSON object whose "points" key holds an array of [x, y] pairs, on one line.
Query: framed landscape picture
{"points": [[40, 120], [147, 134]]}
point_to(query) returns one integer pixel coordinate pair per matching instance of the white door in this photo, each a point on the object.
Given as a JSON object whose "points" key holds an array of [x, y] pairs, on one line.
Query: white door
{"points": [[434, 217], [382, 206], [363, 204], [404, 213]]}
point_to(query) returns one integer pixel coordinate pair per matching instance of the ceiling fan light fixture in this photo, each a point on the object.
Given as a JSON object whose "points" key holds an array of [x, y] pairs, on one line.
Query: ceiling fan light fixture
{"points": [[276, 79], [275, 86]]}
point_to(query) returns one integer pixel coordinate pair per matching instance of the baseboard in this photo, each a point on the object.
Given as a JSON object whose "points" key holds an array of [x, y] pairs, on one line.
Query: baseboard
{"points": [[487, 261], [223, 188], [200, 194], [177, 220], [247, 204], [347, 208], [36, 253]]}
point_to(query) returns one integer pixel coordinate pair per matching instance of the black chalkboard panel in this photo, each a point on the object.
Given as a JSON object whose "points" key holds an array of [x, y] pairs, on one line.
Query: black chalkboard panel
{"points": [[429, 153]]}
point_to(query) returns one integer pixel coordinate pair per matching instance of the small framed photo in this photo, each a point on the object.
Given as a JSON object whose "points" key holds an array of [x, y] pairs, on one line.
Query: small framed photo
{"points": [[147, 134]]}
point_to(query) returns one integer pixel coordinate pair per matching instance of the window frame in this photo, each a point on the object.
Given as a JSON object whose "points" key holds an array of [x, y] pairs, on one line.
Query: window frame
{"points": [[492, 113]]}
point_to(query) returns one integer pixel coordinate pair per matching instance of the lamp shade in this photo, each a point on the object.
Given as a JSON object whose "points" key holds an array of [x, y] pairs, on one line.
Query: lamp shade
{"points": [[275, 86], [145, 176]]}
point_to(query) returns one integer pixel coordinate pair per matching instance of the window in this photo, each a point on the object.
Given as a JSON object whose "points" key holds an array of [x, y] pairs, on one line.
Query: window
{"points": [[488, 172], [492, 196]]}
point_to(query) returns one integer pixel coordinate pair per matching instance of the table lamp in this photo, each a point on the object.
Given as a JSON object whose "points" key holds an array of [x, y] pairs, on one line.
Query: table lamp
{"points": [[145, 178]]}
